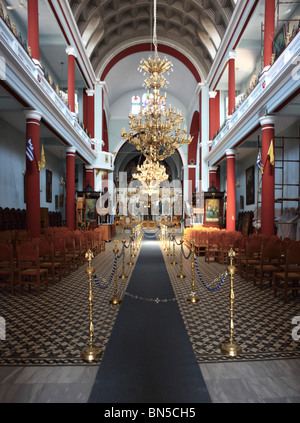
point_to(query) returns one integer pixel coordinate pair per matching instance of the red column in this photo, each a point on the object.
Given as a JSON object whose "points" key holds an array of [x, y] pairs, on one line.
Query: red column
{"points": [[89, 112], [90, 176], [71, 77], [70, 188], [33, 119], [231, 82], [268, 178], [214, 177], [230, 215], [214, 113], [33, 28], [269, 31]]}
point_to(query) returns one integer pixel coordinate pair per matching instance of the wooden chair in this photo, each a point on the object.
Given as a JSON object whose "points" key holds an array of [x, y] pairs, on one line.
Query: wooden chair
{"points": [[29, 270], [7, 266], [252, 257], [71, 253], [61, 256], [48, 260], [270, 262], [78, 248], [213, 246], [289, 279]]}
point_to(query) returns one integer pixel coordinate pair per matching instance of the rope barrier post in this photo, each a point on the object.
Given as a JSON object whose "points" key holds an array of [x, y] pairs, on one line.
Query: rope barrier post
{"points": [[169, 249], [230, 347], [174, 262], [166, 238], [193, 298], [91, 352], [123, 276], [181, 275], [131, 263], [132, 243], [115, 300]]}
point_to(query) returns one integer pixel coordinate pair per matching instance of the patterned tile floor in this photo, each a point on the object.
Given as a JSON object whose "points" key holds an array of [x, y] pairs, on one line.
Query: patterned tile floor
{"points": [[58, 330]]}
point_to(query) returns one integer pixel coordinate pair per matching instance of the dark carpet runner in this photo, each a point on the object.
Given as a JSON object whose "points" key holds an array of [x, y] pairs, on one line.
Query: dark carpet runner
{"points": [[149, 357]]}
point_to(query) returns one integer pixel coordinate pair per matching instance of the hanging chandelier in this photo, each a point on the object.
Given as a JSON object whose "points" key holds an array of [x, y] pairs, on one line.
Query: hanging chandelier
{"points": [[151, 174], [156, 130]]}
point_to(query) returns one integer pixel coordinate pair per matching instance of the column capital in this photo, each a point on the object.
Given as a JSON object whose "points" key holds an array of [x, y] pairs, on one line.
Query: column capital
{"points": [[33, 114], [232, 55], [231, 152], [90, 92], [89, 168], [213, 168], [213, 94], [267, 120], [71, 151], [71, 51]]}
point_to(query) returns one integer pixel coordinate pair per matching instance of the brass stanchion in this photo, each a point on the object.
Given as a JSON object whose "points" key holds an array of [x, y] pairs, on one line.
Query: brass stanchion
{"points": [[132, 241], [131, 263], [174, 262], [181, 275], [115, 300], [230, 347], [123, 276], [169, 249], [91, 352], [193, 298]]}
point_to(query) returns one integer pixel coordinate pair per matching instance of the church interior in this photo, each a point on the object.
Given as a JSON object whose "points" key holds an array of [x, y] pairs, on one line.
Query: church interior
{"points": [[150, 202]]}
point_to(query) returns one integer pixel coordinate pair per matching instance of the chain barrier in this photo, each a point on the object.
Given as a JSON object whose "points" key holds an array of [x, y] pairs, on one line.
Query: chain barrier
{"points": [[221, 278], [186, 257], [103, 279]]}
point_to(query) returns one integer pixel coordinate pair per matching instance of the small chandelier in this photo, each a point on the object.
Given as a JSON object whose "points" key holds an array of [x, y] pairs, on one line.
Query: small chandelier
{"points": [[151, 174], [155, 130]]}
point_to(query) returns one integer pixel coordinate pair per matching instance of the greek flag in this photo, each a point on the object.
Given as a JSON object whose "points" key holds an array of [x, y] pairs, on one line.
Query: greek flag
{"points": [[30, 150], [259, 162]]}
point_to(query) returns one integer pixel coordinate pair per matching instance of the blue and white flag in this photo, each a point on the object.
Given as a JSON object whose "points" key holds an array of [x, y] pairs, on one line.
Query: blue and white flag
{"points": [[30, 150], [259, 163]]}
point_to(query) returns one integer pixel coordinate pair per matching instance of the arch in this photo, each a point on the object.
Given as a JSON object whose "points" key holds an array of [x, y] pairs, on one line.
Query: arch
{"points": [[105, 132], [138, 48], [192, 150]]}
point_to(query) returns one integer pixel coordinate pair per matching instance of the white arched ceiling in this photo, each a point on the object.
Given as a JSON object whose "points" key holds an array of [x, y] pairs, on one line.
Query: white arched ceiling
{"points": [[194, 27]]}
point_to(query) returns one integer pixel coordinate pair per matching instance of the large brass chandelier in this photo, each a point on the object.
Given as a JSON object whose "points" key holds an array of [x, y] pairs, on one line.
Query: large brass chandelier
{"points": [[156, 130]]}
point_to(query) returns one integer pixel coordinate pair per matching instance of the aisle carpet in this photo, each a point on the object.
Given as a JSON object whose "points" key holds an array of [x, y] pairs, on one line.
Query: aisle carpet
{"points": [[149, 357]]}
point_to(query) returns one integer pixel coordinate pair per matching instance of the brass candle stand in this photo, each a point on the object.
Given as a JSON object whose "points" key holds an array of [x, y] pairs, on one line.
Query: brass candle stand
{"points": [[115, 300], [123, 276], [230, 347], [193, 298], [91, 352], [174, 262], [181, 275]]}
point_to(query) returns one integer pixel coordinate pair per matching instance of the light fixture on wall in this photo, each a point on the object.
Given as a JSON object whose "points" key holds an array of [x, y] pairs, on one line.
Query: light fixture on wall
{"points": [[155, 130], [238, 185], [62, 182]]}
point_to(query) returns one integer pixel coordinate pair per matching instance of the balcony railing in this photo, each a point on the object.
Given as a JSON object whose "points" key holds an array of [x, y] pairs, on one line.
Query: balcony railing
{"points": [[266, 80], [10, 38]]}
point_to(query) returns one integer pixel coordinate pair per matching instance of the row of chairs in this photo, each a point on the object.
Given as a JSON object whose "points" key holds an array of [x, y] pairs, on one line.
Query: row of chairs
{"points": [[261, 258], [213, 243], [54, 255], [271, 260]]}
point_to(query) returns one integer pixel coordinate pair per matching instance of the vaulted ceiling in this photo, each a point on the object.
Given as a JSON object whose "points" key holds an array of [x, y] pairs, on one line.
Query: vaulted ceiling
{"points": [[194, 27]]}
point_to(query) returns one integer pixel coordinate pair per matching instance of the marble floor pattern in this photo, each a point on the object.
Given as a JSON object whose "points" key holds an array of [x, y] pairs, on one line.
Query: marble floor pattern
{"points": [[274, 381]]}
